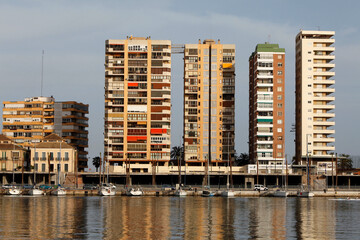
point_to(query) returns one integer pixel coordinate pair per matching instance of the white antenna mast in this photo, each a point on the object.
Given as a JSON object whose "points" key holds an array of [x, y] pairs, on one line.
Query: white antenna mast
{"points": [[42, 72]]}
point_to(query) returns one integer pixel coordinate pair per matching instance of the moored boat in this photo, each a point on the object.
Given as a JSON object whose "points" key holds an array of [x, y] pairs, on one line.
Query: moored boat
{"points": [[107, 189], [305, 193], [228, 193], [180, 192], [281, 193], [14, 190], [35, 191], [207, 193], [60, 191], [134, 192]]}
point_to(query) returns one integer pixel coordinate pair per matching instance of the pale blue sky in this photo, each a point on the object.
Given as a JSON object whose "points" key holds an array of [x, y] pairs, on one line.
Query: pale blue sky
{"points": [[73, 33]]}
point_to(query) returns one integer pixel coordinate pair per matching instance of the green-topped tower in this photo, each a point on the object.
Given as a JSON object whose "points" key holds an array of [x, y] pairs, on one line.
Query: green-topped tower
{"points": [[267, 105]]}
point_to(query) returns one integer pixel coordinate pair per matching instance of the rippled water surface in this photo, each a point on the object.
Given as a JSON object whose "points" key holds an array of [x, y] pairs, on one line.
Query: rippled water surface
{"points": [[51, 217]]}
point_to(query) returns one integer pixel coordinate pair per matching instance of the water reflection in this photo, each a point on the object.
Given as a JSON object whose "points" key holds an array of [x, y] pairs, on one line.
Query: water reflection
{"points": [[177, 218]]}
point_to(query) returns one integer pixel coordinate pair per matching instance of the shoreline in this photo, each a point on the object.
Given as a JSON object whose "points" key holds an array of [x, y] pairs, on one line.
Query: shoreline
{"points": [[196, 192]]}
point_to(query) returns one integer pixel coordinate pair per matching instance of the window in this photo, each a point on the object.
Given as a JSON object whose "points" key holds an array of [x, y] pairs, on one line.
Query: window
{"points": [[66, 167], [279, 89], [43, 167], [309, 101], [309, 85], [309, 52], [279, 80], [279, 97], [280, 64], [279, 105], [279, 114], [279, 130], [279, 72], [279, 56], [309, 60], [279, 121], [279, 146]]}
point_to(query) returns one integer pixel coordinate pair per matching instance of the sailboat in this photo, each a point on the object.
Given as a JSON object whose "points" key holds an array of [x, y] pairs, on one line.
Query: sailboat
{"points": [[228, 192], [207, 191], [134, 191], [14, 190], [282, 192], [180, 192], [35, 190], [306, 191], [107, 189], [60, 191]]}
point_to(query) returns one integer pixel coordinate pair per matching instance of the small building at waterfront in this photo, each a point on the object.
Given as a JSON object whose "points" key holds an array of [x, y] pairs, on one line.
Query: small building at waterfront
{"points": [[52, 153], [12, 156]]}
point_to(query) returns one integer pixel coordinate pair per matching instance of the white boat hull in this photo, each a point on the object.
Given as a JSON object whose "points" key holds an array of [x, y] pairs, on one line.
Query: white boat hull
{"points": [[207, 193], [14, 191], [180, 193], [59, 192], [134, 192], [107, 192], [228, 193], [281, 193], [36, 191], [305, 194]]}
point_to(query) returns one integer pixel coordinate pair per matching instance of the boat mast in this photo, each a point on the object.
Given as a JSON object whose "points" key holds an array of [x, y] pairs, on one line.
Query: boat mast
{"points": [[227, 176], [286, 178], [59, 166], [307, 162], [35, 165]]}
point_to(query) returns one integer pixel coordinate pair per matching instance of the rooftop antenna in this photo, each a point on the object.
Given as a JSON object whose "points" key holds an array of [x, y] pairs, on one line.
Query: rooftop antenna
{"points": [[269, 38], [42, 72]]}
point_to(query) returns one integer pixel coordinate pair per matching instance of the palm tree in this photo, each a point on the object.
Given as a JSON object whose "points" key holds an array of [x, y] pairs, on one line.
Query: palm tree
{"points": [[96, 162], [242, 160], [176, 152]]}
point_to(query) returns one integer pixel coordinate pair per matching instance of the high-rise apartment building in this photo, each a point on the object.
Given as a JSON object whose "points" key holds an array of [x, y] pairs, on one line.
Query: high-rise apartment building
{"points": [[27, 122], [267, 104], [209, 102], [314, 95], [137, 103]]}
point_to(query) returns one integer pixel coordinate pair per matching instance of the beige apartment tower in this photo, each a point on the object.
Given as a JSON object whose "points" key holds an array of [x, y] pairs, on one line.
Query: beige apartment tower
{"points": [[209, 103], [267, 104], [137, 103], [315, 95]]}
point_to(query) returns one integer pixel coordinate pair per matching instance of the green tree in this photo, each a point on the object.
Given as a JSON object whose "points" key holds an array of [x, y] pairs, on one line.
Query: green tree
{"points": [[176, 152], [96, 162], [345, 162], [242, 160]]}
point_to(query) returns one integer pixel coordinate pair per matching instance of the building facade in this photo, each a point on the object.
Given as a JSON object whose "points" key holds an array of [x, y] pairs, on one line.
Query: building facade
{"points": [[27, 122], [12, 156], [267, 104], [315, 95], [137, 103], [53, 153], [209, 103]]}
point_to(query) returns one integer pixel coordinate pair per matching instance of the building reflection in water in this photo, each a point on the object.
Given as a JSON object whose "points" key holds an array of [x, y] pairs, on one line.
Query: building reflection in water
{"points": [[70, 217]]}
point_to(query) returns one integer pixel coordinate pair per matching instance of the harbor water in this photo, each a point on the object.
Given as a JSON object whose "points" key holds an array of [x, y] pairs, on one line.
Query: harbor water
{"points": [[120, 217]]}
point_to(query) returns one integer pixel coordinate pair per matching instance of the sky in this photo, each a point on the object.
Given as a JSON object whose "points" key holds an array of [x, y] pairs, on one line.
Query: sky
{"points": [[73, 34]]}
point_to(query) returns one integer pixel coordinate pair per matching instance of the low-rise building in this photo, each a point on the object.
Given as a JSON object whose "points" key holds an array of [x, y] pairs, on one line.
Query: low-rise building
{"points": [[53, 151], [12, 156]]}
